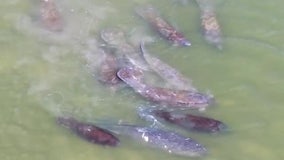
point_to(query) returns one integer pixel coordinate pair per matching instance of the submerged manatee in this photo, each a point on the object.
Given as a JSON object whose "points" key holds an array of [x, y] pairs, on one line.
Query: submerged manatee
{"points": [[115, 38], [50, 17], [211, 28], [108, 69], [166, 30], [171, 142], [89, 132], [209, 23], [168, 73]]}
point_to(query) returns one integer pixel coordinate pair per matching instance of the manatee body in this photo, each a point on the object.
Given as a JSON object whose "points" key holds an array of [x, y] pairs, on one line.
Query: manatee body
{"points": [[89, 132], [171, 142]]}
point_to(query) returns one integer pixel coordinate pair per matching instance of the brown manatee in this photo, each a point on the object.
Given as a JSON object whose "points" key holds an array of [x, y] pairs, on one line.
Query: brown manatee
{"points": [[166, 30], [178, 98], [89, 132], [187, 121]]}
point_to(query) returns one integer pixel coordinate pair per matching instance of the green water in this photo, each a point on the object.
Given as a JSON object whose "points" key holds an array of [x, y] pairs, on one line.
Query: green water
{"points": [[44, 75]]}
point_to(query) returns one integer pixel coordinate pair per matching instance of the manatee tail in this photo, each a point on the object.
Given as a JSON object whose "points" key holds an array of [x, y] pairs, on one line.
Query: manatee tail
{"points": [[147, 12]]}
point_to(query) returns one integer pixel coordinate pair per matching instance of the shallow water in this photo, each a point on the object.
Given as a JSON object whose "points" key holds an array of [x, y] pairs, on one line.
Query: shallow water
{"points": [[44, 75]]}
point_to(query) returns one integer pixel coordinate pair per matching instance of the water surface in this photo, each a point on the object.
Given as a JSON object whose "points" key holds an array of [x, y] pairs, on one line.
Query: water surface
{"points": [[44, 74]]}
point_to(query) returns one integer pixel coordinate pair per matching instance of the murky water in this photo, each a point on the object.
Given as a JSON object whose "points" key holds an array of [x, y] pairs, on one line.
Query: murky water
{"points": [[45, 74]]}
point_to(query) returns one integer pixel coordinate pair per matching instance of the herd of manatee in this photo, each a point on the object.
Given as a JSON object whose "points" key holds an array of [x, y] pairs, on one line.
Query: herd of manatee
{"points": [[126, 64]]}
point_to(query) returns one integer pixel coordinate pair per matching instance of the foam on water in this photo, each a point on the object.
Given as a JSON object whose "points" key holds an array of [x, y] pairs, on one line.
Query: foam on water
{"points": [[67, 59]]}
